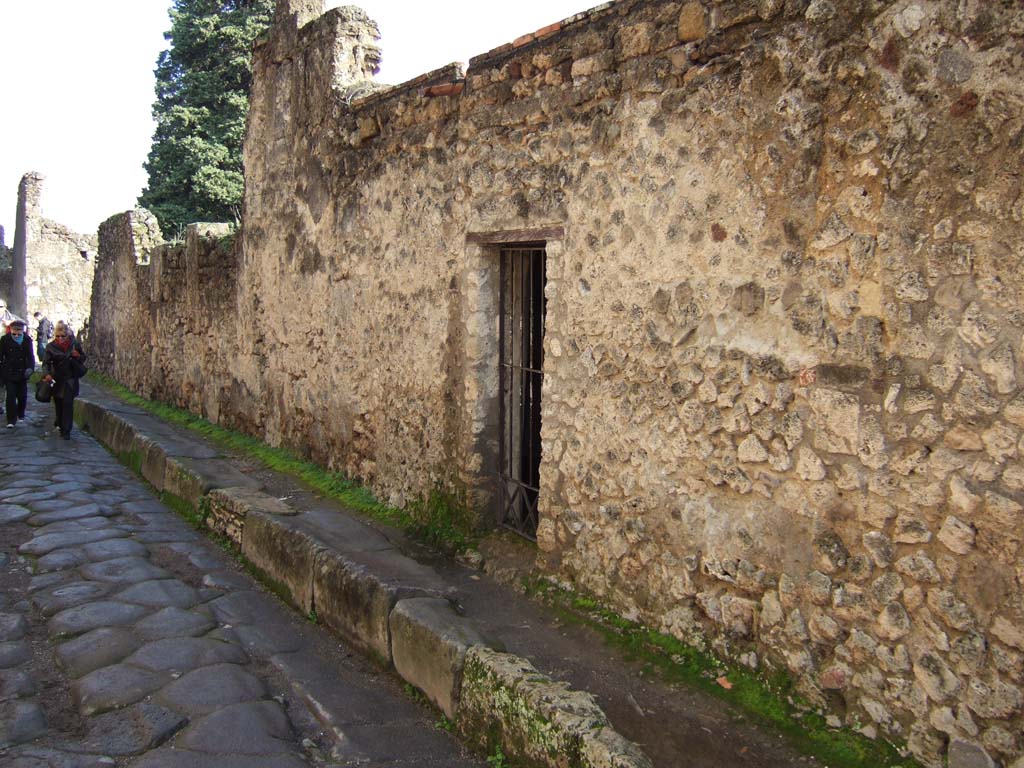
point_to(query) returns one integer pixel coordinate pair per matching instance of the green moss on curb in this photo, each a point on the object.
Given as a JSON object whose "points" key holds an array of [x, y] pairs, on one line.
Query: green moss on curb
{"points": [[441, 519], [767, 698]]}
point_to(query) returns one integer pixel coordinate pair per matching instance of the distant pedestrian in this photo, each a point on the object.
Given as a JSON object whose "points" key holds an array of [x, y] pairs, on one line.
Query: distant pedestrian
{"points": [[17, 361], [44, 332], [64, 365]]}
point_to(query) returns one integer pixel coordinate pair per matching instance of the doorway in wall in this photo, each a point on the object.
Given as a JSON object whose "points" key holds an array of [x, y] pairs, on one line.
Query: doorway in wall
{"points": [[521, 364]]}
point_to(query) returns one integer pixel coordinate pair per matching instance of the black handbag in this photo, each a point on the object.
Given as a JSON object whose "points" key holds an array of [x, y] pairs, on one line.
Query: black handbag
{"points": [[44, 390]]}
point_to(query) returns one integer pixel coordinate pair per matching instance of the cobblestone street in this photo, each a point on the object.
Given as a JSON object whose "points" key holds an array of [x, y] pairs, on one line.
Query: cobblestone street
{"points": [[126, 638]]}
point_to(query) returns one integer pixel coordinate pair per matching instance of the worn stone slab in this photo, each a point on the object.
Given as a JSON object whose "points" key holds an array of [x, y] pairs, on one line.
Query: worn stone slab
{"points": [[145, 506], [229, 508], [68, 513], [14, 654], [132, 730], [41, 545], [267, 639], [13, 513], [115, 686], [354, 597], [80, 524], [160, 594], [25, 496], [48, 580], [30, 756], [174, 622], [114, 548], [341, 532], [124, 570], [20, 721], [60, 560], [96, 649], [429, 642], [165, 537], [183, 758], [208, 689], [191, 479], [227, 580], [16, 684], [70, 486], [283, 554], [153, 457], [12, 626], [57, 598], [183, 654], [537, 719], [101, 613], [253, 728], [27, 482]]}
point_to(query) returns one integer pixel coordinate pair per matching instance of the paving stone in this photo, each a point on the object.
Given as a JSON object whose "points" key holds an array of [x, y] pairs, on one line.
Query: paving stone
{"points": [[60, 560], [70, 486], [114, 548], [169, 757], [207, 689], [28, 499], [57, 598], [227, 580], [74, 512], [124, 570], [131, 731], [116, 686], [144, 507], [30, 756], [80, 524], [163, 537], [48, 542], [16, 684], [25, 495], [49, 580], [183, 654], [13, 513], [268, 639], [12, 626], [257, 728], [27, 482], [14, 654], [174, 622], [97, 649], [20, 721], [161, 594], [102, 613], [246, 607]]}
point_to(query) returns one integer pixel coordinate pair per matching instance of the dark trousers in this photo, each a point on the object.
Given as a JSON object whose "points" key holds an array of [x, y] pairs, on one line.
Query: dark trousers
{"points": [[17, 399], [65, 408]]}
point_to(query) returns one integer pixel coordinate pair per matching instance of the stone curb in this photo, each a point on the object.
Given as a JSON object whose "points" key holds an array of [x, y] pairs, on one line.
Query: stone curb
{"points": [[388, 605]]}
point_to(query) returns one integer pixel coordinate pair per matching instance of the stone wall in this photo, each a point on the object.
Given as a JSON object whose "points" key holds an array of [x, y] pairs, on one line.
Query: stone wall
{"points": [[782, 405], [52, 267]]}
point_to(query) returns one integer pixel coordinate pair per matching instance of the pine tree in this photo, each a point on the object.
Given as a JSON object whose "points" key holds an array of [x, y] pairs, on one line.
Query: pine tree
{"points": [[202, 92]]}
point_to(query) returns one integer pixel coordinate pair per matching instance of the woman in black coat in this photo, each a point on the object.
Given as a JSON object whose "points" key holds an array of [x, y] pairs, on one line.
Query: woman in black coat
{"points": [[64, 365], [17, 361]]}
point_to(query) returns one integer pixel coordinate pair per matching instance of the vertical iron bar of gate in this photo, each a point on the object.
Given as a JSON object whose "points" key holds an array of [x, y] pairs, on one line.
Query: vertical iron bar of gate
{"points": [[501, 389]]}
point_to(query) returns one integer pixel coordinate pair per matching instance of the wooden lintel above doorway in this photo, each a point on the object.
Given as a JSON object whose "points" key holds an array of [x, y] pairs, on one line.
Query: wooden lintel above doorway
{"points": [[516, 236]]}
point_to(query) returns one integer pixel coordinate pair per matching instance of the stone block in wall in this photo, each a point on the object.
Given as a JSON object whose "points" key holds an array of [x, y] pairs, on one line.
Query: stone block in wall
{"points": [[429, 642]]}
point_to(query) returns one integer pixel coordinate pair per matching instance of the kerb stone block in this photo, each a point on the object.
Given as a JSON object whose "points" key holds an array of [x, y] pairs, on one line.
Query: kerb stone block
{"points": [[229, 508], [283, 554], [429, 642]]}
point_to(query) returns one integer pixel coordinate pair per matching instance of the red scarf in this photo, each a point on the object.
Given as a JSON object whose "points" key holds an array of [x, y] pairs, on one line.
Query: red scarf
{"points": [[63, 343]]}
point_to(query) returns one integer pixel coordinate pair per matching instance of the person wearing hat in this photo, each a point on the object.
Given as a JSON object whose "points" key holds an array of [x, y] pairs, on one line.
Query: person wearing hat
{"points": [[17, 361]]}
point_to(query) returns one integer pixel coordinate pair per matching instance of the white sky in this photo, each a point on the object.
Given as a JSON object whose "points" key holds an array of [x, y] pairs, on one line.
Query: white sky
{"points": [[76, 80]]}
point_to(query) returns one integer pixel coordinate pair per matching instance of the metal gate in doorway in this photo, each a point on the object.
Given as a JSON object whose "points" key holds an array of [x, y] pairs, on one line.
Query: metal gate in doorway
{"points": [[521, 365]]}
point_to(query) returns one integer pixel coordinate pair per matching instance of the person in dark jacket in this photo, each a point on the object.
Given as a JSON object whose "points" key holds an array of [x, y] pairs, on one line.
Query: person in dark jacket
{"points": [[64, 365], [17, 361], [44, 332]]}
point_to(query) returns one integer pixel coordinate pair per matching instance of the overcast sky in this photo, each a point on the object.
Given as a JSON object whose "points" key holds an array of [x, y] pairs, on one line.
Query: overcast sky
{"points": [[76, 79]]}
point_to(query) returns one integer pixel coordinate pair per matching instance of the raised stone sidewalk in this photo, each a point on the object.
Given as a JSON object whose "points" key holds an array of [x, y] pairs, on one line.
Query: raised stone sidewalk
{"points": [[472, 648]]}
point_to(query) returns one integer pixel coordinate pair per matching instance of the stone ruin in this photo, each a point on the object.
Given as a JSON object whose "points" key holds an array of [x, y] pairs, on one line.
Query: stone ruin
{"points": [[775, 251], [50, 268]]}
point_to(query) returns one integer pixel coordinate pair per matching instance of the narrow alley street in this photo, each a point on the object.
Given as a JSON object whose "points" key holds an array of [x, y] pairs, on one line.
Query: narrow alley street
{"points": [[127, 639]]}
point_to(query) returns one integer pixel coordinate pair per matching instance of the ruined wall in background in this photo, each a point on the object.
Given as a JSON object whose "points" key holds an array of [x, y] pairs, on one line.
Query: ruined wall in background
{"points": [[783, 412], [52, 267]]}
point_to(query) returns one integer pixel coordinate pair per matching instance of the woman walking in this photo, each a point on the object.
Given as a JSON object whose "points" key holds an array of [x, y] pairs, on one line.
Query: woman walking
{"points": [[64, 365], [17, 361]]}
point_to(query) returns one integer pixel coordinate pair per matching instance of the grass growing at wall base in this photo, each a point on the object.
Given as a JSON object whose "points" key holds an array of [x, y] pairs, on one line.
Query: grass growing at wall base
{"points": [[439, 520], [767, 698]]}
